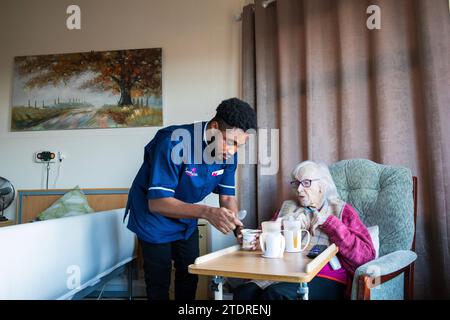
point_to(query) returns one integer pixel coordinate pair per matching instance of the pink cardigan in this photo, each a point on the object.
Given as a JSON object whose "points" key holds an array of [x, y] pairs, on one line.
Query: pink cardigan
{"points": [[354, 243]]}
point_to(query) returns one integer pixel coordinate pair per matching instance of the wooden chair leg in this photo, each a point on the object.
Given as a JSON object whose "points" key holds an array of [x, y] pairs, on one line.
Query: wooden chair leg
{"points": [[411, 286], [364, 288], [409, 282]]}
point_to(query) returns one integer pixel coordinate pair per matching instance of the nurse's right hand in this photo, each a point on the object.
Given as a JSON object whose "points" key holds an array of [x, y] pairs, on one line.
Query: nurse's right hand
{"points": [[223, 219]]}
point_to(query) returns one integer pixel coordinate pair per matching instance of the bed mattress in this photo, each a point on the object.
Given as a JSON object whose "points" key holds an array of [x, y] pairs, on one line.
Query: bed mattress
{"points": [[55, 259]]}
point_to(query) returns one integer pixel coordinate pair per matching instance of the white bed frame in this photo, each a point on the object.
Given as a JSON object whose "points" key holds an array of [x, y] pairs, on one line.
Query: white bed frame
{"points": [[66, 258]]}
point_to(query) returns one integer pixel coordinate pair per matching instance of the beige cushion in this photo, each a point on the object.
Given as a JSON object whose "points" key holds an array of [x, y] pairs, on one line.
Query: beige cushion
{"points": [[72, 203]]}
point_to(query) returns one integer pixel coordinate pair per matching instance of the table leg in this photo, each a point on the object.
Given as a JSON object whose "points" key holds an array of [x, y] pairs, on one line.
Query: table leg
{"points": [[302, 292], [130, 280], [217, 287]]}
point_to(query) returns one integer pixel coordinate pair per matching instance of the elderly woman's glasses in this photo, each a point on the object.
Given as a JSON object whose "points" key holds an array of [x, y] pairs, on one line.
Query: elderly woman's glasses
{"points": [[305, 183]]}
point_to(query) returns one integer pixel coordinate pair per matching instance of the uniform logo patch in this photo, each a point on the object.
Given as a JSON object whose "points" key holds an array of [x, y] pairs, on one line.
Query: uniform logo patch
{"points": [[192, 172], [217, 173]]}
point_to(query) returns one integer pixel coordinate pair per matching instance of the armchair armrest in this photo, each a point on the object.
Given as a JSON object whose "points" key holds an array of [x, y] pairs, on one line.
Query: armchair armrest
{"points": [[381, 270]]}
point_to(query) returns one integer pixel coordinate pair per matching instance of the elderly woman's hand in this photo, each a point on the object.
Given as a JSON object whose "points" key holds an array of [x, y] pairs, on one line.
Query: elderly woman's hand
{"points": [[317, 219]]}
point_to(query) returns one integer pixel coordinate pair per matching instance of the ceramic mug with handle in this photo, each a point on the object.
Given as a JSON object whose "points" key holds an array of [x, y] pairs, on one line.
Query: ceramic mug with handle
{"points": [[293, 236], [272, 244]]}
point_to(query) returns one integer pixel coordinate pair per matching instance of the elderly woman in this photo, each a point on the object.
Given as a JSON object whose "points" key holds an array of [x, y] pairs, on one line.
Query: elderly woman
{"points": [[330, 220]]}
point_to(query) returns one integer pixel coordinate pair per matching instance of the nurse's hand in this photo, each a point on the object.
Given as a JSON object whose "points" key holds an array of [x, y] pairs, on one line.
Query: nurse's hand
{"points": [[223, 219], [238, 234]]}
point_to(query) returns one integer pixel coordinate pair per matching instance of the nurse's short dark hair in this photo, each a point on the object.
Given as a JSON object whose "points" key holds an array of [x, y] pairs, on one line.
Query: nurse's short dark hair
{"points": [[235, 113]]}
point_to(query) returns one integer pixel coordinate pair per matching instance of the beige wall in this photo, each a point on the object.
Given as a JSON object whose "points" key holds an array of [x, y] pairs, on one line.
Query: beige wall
{"points": [[201, 67]]}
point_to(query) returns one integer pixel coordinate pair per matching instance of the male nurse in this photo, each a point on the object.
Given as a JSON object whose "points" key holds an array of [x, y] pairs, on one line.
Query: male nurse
{"points": [[182, 165]]}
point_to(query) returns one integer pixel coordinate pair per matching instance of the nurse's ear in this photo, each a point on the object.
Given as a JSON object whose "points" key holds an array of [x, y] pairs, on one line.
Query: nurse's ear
{"points": [[214, 124], [213, 132]]}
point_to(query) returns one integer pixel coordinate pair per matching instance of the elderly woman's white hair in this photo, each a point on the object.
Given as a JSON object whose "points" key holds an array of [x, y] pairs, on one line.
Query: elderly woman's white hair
{"points": [[323, 173]]}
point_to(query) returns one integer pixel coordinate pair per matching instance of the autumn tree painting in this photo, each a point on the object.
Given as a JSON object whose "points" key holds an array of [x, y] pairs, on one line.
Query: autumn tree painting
{"points": [[88, 90]]}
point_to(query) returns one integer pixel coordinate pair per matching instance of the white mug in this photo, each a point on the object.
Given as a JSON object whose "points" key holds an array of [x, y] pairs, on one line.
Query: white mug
{"points": [[293, 236], [271, 226], [248, 236], [272, 244]]}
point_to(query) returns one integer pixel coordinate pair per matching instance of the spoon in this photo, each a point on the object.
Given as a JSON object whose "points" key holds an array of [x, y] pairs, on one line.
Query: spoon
{"points": [[242, 214]]}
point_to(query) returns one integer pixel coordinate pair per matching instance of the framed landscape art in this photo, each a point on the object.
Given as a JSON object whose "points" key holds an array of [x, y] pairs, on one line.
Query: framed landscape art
{"points": [[88, 90]]}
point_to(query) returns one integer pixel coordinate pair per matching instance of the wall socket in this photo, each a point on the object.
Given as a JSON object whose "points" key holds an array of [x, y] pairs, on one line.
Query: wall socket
{"points": [[45, 156]]}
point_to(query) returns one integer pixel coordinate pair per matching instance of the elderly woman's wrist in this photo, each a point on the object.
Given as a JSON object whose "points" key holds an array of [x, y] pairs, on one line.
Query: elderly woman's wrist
{"points": [[323, 218]]}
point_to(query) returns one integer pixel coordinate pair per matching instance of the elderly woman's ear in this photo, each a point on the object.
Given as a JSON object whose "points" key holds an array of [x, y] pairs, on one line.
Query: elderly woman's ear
{"points": [[322, 187], [322, 193]]}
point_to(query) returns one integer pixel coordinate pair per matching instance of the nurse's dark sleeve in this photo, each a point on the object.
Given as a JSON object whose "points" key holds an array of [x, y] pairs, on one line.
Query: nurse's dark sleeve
{"points": [[227, 184], [163, 172]]}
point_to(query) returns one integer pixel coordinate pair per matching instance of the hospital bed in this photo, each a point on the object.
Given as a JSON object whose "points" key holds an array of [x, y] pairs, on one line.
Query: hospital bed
{"points": [[65, 258]]}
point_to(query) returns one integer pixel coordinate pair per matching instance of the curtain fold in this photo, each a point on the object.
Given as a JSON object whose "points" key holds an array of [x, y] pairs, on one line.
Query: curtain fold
{"points": [[247, 172], [337, 90]]}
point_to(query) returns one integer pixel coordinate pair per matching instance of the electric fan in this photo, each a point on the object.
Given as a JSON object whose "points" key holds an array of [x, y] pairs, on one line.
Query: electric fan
{"points": [[7, 194]]}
